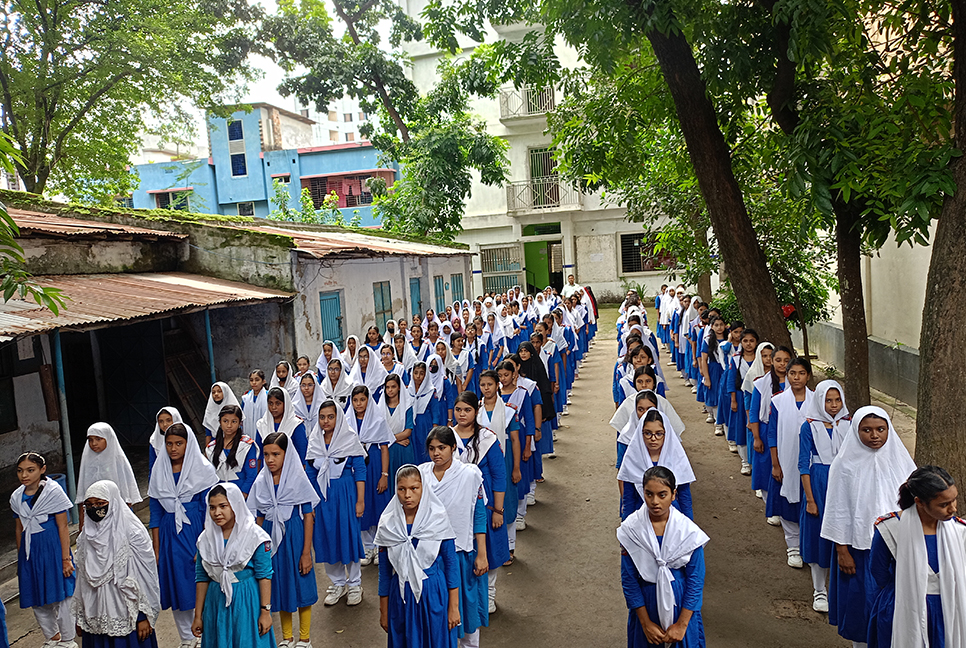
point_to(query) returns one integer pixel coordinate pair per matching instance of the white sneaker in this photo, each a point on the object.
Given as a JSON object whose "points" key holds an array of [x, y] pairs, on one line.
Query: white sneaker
{"points": [[745, 469], [370, 556], [65, 644], [521, 523], [552, 455], [566, 412], [732, 447], [555, 435], [671, 363], [759, 494], [774, 520], [286, 643], [710, 419], [531, 499], [334, 593], [569, 400], [820, 601], [718, 429], [355, 595], [795, 559], [304, 644], [492, 608], [694, 390]]}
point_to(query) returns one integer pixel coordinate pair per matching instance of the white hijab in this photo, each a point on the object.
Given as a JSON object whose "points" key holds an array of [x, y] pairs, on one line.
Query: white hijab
{"points": [[408, 358], [421, 397], [348, 358], [117, 574], [222, 560], [303, 410], [628, 412], [653, 560], [790, 420], [213, 409], [344, 443], [322, 364], [826, 446], [294, 490], [342, 389], [637, 460], [110, 463], [757, 369], [51, 500], [291, 382], [266, 425], [197, 475], [375, 372], [905, 539], [863, 484], [390, 333], [497, 421], [157, 438], [431, 526], [458, 490], [397, 418], [374, 428]]}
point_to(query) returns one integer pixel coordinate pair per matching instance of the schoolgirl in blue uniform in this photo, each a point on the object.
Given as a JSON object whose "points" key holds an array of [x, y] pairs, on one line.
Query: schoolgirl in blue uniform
{"points": [[474, 364], [45, 567], [436, 375], [660, 545], [254, 402], [738, 368], [531, 367], [654, 443], [337, 469], [492, 342], [766, 386], [480, 446], [233, 454], [234, 611], [459, 487], [219, 397], [449, 380], [387, 356], [825, 428], [373, 339], [179, 482], [418, 345], [919, 594], [397, 409], [518, 399], [419, 574], [496, 415], [784, 441], [165, 417], [374, 435], [281, 417], [284, 502], [424, 408]]}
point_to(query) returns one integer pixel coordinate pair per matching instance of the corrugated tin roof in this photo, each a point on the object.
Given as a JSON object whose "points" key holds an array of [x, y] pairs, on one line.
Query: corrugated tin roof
{"points": [[34, 223], [99, 299], [353, 244]]}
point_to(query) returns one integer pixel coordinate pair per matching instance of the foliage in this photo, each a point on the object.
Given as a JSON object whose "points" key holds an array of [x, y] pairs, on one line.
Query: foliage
{"points": [[82, 80], [14, 278], [327, 214], [437, 142]]}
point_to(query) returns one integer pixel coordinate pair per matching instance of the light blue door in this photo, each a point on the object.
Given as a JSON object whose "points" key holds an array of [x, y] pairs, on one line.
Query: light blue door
{"points": [[331, 308], [439, 286], [416, 302]]}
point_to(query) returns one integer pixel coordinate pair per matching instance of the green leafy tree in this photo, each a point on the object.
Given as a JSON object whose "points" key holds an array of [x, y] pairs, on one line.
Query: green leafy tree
{"points": [[78, 79]]}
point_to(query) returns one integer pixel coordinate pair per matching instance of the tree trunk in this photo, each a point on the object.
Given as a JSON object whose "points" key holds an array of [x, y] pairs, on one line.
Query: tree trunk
{"points": [[942, 374], [711, 160], [848, 243]]}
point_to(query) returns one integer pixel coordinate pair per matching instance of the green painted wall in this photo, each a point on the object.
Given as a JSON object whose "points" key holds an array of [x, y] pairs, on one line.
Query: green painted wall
{"points": [[538, 266]]}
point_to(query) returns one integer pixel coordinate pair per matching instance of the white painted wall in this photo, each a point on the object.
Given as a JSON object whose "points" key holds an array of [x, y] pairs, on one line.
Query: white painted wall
{"points": [[894, 280]]}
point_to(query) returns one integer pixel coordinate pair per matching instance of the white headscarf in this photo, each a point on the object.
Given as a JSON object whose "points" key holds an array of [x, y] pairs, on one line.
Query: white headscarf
{"points": [[424, 395], [863, 484], [494, 337], [344, 443], [654, 560], [396, 419], [905, 539], [197, 474], [303, 410], [213, 409], [157, 438], [430, 526], [458, 490], [757, 369], [374, 428], [222, 560], [436, 379], [322, 364], [389, 334], [291, 382], [349, 359], [826, 447], [342, 389], [51, 500], [110, 463], [117, 574], [266, 425], [294, 490], [375, 372], [627, 412], [637, 460], [790, 420], [497, 421]]}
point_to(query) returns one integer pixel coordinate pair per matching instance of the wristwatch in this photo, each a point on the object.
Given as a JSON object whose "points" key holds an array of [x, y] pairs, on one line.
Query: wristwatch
{"points": [[267, 608]]}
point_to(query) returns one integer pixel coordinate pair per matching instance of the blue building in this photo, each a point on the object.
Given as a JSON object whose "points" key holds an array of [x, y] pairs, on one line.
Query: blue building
{"points": [[248, 152]]}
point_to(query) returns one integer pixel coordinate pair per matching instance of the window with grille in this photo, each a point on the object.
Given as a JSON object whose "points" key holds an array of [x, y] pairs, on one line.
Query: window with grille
{"points": [[318, 187], [499, 283], [503, 259], [456, 286], [172, 200], [125, 202], [239, 167], [246, 209], [382, 300], [364, 197], [638, 254], [285, 179], [439, 290], [235, 131]]}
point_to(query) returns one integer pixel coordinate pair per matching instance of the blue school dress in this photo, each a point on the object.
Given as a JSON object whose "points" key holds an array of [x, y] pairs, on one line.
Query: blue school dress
{"points": [[236, 626], [473, 384], [738, 420], [376, 502], [448, 400], [176, 551], [290, 589], [474, 590], [527, 429], [423, 423], [493, 467], [760, 461], [688, 588], [423, 623], [41, 577], [130, 640], [400, 455], [777, 504], [543, 446], [815, 548], [850, 596], [511, 496], [717, 389], [631, 500], [4, 641], [883, 584], [298, 438], [703, 390], [247, 466], [620, 367], [337, 536]]}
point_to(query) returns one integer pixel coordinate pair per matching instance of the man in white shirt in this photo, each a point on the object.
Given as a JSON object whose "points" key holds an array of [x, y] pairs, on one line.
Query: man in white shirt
{"points": [[570, 288]]}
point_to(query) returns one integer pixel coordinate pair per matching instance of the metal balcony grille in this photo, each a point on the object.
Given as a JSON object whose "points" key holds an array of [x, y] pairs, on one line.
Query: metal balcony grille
{"points": [[526, 102], [540, 193]]}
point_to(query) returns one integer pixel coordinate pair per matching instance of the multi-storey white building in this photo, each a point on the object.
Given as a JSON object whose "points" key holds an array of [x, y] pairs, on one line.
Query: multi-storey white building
{"points": [[536, 230], [340, 124]]}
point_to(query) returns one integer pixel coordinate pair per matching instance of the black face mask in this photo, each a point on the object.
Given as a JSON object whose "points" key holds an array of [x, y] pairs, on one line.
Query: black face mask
{"points": [[433, 370], [96, 513]]}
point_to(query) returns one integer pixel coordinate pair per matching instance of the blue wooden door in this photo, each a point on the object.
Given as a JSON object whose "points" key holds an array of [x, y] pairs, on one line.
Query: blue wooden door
{"points": [[330, 304], [439, 285], [416, 302]]}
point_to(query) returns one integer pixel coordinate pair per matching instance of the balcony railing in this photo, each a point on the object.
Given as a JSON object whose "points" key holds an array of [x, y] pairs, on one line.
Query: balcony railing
{"points": [[540, 193], [526, 102]]}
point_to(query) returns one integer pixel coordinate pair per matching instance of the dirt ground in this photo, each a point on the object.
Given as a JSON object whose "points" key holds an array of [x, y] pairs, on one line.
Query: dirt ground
{"points": [[564, 589]]}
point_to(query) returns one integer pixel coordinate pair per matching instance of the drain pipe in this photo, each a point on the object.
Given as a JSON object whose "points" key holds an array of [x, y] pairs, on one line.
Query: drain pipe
{"points": [[211, 346], [65, 424]]}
